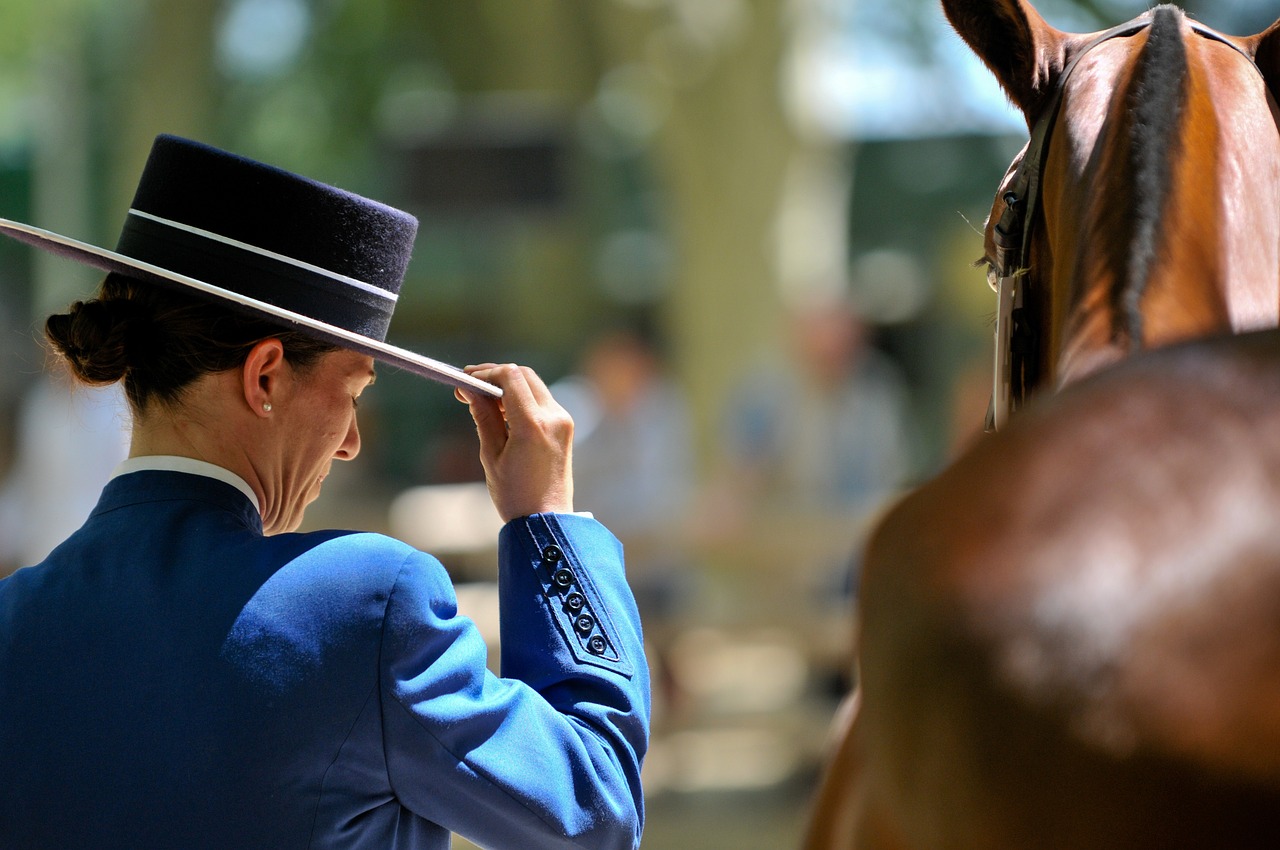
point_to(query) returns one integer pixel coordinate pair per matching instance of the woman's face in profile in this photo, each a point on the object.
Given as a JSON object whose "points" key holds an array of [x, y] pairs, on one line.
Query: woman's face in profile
{"points": [[316, 425]]}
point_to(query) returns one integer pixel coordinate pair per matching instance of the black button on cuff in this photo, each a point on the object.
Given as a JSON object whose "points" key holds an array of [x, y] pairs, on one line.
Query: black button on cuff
{"points": [[576, 608]]}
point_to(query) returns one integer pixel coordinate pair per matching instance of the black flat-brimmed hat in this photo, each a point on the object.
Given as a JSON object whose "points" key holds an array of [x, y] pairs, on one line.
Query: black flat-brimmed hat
{"points": [[310, 257]]}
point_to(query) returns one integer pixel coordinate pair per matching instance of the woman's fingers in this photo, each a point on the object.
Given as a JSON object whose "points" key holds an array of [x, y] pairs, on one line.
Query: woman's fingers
{"points": [[491, 423], [525, 442], [537, 388], [519, 403]]}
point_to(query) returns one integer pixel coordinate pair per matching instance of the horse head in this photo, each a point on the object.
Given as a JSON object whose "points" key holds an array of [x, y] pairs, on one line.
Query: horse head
{"points": [[1145, 208]]}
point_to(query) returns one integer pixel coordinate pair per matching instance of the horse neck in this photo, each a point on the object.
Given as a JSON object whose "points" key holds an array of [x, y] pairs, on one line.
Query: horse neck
{"points": [[1165, 223]]}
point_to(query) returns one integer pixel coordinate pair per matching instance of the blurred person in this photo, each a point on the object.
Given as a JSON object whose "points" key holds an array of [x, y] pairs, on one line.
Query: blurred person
{"points": [[187, 671], [633, 455], [813, 448], [67, 442], [824, 433], [633, 465]]}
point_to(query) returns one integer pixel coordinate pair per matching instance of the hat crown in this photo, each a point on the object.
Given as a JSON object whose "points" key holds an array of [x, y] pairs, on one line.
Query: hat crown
{"points": [[304, 255], [235, 198]]}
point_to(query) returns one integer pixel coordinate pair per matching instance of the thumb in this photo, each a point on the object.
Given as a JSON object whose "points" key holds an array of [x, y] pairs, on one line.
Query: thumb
{"points": [[491, 425]]}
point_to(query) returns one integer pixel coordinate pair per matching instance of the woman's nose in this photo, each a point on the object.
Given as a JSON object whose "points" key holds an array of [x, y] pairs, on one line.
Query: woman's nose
{"points": [[351, 445]]}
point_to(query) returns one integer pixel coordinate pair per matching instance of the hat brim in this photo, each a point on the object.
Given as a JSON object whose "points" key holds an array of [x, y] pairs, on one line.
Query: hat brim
{"points": [[112, 261]]}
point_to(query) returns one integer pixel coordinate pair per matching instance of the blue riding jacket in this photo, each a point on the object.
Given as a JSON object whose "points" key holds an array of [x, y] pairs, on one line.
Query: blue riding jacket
{"points": [[172, 678]]}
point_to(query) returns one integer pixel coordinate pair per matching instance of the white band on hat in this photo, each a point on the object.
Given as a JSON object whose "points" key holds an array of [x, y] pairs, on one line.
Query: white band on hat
{"points": [[350, 281]]}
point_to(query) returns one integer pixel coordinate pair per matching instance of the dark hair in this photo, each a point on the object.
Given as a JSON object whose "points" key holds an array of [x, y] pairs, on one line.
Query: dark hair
{"points": [[158, 340]]}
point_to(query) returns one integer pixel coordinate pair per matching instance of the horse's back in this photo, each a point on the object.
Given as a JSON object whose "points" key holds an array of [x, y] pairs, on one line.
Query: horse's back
{"points": [[1071, 638]]}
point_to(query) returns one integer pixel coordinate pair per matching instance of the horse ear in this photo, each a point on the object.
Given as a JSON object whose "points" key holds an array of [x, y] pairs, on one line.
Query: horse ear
{"points": [[1266, 55], [1010, 37]]}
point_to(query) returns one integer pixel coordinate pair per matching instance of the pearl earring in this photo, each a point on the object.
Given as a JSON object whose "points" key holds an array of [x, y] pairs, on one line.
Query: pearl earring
{"points": [[266, 407]]}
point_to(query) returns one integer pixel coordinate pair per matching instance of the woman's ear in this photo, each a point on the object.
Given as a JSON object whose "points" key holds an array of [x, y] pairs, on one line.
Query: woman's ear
{"points": [[262, 374]]}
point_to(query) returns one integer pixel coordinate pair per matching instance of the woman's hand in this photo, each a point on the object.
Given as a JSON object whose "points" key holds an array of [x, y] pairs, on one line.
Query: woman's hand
{"points": [[526, 442]]}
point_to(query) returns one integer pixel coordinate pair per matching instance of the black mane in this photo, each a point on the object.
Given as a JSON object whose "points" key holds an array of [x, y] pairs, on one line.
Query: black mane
{"points": [[1155, 102]]}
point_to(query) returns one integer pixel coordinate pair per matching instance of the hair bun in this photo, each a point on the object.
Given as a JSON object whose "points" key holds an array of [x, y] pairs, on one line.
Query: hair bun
{"points": [[100, 339]]}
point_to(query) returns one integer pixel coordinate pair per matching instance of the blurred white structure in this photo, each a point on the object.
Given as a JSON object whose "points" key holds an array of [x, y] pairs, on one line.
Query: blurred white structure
{"points": [[446, 519], [68, 441]]}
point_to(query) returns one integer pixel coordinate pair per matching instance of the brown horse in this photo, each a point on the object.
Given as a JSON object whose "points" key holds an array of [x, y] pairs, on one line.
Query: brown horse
{"points": [[1071, 637]]}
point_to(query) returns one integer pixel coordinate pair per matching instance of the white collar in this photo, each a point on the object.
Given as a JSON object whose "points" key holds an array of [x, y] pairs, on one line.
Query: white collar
{"points": [[175, 463]]}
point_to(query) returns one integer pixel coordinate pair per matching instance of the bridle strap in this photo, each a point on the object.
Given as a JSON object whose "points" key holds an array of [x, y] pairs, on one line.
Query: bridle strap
{"points": [[1023, 194], [1015, 338]]}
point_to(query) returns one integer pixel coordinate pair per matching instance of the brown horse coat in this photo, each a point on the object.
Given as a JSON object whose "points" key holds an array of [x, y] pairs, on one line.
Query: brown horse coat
{"points": [[1071, 638]]}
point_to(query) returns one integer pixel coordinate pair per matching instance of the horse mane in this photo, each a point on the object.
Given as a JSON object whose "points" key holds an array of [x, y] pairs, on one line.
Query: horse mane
{"points": [[1154, 104]]}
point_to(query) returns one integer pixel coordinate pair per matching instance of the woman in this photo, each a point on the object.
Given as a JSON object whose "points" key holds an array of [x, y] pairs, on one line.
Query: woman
{"points": [[188, 671]]}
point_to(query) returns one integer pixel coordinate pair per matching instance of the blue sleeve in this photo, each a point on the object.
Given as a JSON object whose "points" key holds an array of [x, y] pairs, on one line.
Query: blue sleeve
{"points": [[548, 755]]}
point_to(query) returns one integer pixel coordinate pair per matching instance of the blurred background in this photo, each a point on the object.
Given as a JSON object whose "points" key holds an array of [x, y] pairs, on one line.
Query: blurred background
{"points": [[737, 235]]}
